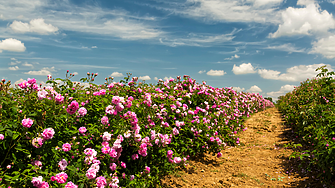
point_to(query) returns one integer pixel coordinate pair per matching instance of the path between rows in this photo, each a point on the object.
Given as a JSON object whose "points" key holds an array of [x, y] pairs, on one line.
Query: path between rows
{"points": [[260, 161]]}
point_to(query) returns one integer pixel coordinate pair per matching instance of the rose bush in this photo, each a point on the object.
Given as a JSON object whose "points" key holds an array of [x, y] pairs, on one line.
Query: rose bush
{"points": [[124, 134], [309, 110]]}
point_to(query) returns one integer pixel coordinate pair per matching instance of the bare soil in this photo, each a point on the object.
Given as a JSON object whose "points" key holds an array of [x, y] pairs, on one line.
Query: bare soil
{"points": [[261, 160]]}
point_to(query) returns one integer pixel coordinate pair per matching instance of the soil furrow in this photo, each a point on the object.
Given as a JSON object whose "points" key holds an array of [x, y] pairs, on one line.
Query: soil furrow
{"points": [[261, 160]]}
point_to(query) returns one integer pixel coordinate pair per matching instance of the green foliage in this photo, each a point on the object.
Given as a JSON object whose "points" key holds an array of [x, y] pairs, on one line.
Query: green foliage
{"points": [[309, 109]]}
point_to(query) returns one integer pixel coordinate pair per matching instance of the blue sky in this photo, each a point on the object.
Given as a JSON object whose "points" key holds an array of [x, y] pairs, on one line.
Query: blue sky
{"points": [[262, 46]]}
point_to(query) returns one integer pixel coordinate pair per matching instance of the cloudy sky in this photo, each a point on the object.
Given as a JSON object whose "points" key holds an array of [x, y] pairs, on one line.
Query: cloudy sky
{"points": [[262, 46]]}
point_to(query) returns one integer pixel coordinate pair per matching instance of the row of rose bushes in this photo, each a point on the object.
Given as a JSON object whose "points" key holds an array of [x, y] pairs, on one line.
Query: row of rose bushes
{"points": [[309, 109], [125, 134]]}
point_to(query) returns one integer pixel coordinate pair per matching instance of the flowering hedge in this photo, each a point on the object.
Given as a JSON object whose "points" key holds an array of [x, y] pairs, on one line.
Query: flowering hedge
{"points": [[309, 109], [124, 134]]}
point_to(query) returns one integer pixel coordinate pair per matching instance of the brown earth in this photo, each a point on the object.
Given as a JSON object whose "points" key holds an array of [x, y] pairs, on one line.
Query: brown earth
{"points": [[261, 160]]}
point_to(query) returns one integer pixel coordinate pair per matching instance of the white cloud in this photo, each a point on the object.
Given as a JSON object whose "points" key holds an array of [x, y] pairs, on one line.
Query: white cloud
{"points": [[198, 40], [13, 68], [293, 74], [43, 72], [202, 71], [244, 68], [86, 18], [13, 45], [35, 26], [94, 47], [75, 73], [18, 81], [282, 91], [216, 73], [238, 89], [167, 78], [27, 64], [117, 74], [155, 78], [230, 10], [144, 77], [254, 89], [232, 57], [258, 3], [286, 47], [13, 59], [325, 46], [304, 21], [15, 63]]}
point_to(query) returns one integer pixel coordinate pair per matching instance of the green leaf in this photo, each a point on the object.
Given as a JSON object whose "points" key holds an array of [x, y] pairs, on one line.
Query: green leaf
{"points": [[9, 132]]}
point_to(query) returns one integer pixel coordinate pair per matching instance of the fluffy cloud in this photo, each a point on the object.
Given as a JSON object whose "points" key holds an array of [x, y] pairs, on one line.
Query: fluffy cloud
{"points": [[216, 73], [325, 46], [13, 68], [202, 71], [13, 45], [238, 89], [232, 57], [244, 68], [94, 47], [117, 74], [287, 48], [167, 78], [144, 77], [43, 72], [35, 26], [155, 78], [254, 89], [304, 21], [282, 91], [230, 10], [27, 64], [293, 74]]}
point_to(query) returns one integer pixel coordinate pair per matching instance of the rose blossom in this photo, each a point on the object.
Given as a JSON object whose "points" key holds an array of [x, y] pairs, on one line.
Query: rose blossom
{"points": [[82, 111], [82, 130], [61, 177], [71, 185], [37, 142], [101, 181], [62, 164], [104, 120], [48, 133], [2, 137], [66, 147], [177, 160], [37, 181], [27, 122], [112, 166]]}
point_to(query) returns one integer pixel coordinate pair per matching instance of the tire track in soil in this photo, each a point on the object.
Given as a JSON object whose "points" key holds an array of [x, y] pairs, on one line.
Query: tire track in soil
{"points": [[260, 161]]}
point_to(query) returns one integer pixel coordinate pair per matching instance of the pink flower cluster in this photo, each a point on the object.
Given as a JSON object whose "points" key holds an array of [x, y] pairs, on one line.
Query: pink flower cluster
{"points": [[27, 122], [39, 183], [91, 173], [62, 164], [31, 83], [66, 147], [73, 107], [48, 133]]}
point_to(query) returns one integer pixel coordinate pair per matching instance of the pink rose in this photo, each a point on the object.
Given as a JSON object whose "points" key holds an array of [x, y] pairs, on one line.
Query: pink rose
{"points": [[66, 147], [61, 177], [27, 122], [48, 133]]}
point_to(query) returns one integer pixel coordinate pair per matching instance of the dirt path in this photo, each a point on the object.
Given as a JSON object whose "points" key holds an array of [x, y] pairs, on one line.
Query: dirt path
{"points": [[260, 161]]}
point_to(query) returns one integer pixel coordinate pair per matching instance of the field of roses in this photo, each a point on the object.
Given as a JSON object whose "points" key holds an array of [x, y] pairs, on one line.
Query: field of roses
{"points": [[310, 109], [124, 134]]}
